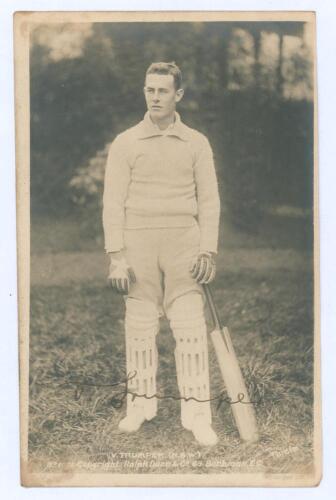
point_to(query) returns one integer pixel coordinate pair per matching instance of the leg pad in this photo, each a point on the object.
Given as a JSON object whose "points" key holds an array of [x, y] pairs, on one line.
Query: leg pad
{"points": [[191, 356], [141, 327]]}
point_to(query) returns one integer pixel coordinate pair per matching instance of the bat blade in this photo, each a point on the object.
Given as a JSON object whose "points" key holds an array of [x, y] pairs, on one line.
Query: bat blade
{"points": [[243, 410]]}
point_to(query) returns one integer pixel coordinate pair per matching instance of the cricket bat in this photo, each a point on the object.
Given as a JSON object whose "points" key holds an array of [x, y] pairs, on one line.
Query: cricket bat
{"points": [[243, 410]]}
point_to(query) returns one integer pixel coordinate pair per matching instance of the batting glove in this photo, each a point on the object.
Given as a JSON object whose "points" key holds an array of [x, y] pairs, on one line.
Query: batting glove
{"points": [[203, 268], [121, 275]]}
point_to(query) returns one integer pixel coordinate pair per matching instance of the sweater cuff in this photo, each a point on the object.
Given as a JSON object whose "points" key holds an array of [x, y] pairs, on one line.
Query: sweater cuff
{"points": [[114, 240], [209, 241]]}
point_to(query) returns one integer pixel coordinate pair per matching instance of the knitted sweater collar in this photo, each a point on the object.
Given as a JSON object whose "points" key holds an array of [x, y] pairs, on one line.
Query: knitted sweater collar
{"points": [[150, 129]]}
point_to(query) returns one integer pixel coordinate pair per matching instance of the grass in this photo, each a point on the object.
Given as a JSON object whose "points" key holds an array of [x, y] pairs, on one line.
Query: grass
{"points": [[78, 232], [77, 332]]}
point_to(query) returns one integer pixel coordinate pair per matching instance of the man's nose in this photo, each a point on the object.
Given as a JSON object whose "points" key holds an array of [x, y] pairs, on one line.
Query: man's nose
{"points": [[156, 96]]}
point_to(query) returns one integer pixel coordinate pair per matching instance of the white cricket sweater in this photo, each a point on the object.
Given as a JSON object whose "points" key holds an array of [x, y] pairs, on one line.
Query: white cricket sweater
{"points": [[160, 178]]}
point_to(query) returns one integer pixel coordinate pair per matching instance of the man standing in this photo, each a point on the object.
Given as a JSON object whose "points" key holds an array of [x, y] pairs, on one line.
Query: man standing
{"points": [[161, 217]]}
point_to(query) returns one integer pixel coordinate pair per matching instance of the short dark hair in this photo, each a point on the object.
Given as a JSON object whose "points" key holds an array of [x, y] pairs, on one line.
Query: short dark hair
{"points": [[166, 68]]}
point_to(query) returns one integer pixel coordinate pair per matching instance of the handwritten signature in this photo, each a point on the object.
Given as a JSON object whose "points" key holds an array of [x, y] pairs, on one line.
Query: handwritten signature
{"points": [[118, 399]]}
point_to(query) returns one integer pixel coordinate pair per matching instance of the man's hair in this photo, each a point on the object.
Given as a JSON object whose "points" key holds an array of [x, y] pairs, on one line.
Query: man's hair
{"points": [[166, 68]]}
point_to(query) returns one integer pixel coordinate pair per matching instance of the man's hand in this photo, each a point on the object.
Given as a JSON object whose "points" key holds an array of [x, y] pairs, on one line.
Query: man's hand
{"points": [[203, 269], [121, 275]]}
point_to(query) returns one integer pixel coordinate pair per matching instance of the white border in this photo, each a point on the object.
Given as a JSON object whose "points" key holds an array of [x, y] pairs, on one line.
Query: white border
{"points": [[9, 429]]}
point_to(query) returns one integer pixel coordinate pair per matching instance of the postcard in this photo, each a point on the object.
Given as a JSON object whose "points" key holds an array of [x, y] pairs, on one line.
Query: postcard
{"points": [[168, 248]]}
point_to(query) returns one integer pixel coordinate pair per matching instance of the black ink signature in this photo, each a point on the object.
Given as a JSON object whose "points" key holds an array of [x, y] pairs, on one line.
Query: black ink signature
{"points": [[117, 400]]}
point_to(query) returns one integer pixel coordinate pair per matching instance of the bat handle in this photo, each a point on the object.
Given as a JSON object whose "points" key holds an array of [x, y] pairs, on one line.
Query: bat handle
{"points": [[212, 306]]}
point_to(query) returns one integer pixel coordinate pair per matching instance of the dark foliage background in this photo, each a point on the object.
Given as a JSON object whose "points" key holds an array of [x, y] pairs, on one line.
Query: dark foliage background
{"points": [[245, 89]]}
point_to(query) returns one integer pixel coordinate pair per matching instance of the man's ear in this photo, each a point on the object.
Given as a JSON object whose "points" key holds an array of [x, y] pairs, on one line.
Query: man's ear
{"points": [[179, 95]]}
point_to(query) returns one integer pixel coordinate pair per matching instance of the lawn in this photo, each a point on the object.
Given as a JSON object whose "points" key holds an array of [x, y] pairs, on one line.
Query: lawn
{"points": [[76, 336]]}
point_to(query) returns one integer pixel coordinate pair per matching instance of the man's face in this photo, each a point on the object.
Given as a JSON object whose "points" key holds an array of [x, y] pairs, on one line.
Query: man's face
{"points": [[161, 95]]}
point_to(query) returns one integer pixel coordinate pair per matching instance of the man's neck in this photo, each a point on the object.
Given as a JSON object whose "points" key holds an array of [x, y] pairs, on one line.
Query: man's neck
{"points": [[165, 122]]}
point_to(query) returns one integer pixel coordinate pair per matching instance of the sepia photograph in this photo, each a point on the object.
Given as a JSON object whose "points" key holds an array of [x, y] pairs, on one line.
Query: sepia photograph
{"points": [[168, 248]]}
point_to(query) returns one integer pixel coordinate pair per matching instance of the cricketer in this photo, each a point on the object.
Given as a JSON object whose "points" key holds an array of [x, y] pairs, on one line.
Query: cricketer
{"points": [[161, 213]]}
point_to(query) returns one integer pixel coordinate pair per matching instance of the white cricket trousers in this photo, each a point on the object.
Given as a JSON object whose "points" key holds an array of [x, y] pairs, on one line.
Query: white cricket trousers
{"points": [[161, 259]]}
